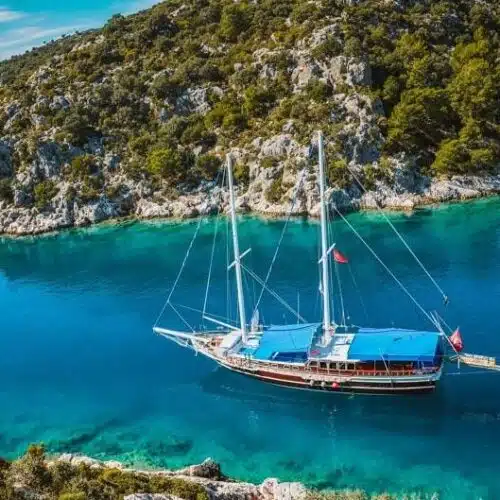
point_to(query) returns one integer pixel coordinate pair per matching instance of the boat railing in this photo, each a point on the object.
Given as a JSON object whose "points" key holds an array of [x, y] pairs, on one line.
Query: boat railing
{"points": [[249, 363]]}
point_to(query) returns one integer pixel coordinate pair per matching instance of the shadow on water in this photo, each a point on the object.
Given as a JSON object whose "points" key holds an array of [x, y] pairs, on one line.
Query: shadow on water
{"points": [[307, 404]]}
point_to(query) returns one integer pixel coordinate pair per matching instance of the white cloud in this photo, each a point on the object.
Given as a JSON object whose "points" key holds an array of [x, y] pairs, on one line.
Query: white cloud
{"points": [[33, 30], [18, 40], [7, 15]]}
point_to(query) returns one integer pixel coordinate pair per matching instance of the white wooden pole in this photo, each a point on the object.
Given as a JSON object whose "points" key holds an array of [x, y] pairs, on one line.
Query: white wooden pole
{"points": [[324, 243], [236, 249]]}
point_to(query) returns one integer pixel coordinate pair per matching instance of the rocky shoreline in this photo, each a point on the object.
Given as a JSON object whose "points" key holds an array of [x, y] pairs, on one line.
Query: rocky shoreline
{"points": [[407, 192], [207, 474]]}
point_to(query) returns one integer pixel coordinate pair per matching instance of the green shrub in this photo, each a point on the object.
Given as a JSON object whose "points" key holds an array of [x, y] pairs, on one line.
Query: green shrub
{"points": [[92, 188], [268, 162], [338, 174], [207, 166], [165, 163], [241, 174], [318, 90], [79, 495], [44, 192], [31, 470], [258, 101], [234, 122], [275, 191], [6, 192], [235, 20], [329, 48], [82, 167]]}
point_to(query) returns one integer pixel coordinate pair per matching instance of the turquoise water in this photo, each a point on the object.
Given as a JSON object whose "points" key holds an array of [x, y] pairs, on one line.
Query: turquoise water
{"points": [[81, 370]]}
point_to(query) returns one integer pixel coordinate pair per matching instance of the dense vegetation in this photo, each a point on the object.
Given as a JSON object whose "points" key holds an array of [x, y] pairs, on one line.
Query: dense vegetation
{"points": [[435, 66], [63, 481]]}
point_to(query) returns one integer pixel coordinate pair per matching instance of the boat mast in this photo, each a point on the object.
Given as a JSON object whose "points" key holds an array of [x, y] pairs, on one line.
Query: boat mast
{"points": [[324, 244], [236, 250]]}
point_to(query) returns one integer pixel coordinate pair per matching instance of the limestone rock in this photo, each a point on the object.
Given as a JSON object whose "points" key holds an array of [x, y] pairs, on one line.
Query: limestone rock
{"points": [[280, 145], [306, 70], [193, 100], [147, 209], [59, 102], [111, 162], [348, 70], [320, 36], [22, 198], [95, 211], [208, 469], [48, 161], [272, 489]]}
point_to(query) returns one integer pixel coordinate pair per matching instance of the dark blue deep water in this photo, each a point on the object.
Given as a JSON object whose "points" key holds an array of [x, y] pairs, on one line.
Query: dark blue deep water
{"points": [[81, 370]]}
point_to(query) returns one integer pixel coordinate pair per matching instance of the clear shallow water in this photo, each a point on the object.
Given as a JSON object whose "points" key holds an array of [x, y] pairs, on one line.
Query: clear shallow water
{"points": [[81, 370]]}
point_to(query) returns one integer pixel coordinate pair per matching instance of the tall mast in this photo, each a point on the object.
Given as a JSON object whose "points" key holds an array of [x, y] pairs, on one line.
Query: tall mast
{"points": [[324, 243], [236, 250]]}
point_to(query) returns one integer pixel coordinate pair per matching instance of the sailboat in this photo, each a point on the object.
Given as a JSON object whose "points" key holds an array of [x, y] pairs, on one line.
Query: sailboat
{"points": [[323, 355]]}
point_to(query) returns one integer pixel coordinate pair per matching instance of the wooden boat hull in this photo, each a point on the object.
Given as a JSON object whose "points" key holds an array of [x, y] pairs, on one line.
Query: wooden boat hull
{"points": [[298, 376], [347, 387]]}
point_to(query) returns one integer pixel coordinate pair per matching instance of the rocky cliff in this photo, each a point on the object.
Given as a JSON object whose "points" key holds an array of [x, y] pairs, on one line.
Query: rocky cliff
{"points": [[134, 119]]}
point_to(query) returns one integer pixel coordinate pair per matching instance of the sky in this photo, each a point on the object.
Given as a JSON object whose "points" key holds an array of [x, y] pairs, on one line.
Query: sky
{"points": [[28, 23]]}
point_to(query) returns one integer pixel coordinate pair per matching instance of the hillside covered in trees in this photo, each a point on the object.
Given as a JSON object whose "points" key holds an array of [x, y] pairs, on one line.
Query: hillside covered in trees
{"points": [[134, 118]]}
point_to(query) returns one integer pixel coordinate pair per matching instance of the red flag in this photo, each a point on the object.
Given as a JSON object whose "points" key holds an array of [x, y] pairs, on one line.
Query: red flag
{"points": [[339, 257], [456, 340]]}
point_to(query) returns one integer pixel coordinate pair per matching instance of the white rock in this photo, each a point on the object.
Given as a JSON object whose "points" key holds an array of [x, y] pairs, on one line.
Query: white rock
{"points": [[305, 71], [59, 102], [95, 211], [193, 100]]}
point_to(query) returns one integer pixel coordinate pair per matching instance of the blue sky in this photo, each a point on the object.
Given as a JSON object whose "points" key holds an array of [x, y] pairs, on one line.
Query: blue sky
{"points": [[27, 23]]}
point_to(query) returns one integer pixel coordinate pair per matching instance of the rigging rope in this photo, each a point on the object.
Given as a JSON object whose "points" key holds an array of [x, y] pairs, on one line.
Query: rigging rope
{"points": [[413, 299], [212, 254], [194, 309], [274, 294], [167, 302], [279, 242], [181, 317], [420, 263]]}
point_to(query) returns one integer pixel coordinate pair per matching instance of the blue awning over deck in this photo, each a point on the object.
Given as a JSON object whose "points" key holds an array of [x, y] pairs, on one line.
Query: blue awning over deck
{"points": [[393, 344], [286, 343]]}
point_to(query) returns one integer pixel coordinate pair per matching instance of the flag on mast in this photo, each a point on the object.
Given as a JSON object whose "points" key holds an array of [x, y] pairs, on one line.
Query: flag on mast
{"points": [[339, 257], [456, 340]]}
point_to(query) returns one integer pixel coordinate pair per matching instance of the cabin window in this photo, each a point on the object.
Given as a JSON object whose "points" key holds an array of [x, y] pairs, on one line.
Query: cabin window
{"points": [[313, 364], [323, 365], [333, 366]]}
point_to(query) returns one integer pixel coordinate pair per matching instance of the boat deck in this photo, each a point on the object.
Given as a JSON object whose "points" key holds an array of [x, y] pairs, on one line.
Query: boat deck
{"points": [[302, 342]]}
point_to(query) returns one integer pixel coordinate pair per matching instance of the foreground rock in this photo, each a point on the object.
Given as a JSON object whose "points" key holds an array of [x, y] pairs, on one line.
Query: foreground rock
{"points": [[74, 477], [207, 474]]}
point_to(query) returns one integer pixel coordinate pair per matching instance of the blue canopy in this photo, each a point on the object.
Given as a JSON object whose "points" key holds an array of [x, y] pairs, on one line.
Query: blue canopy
{"points": [[286, 343], [393, 344]]}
